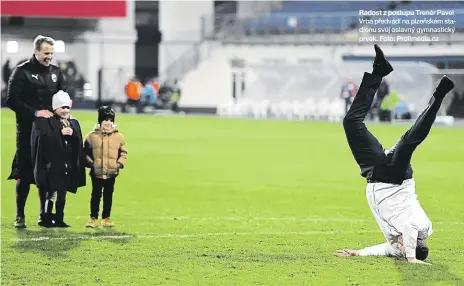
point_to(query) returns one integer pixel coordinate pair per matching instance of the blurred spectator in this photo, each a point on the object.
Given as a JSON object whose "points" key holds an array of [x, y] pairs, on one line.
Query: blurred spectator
{"points": [[349, 90], [402, 110], [456, 107], [165, 93], [169, 95], [388, 106], [75, 80], [133, 93], [6, 73], [383, 91], [156, 86], [152, 93], [175, 96], [149, 95]]}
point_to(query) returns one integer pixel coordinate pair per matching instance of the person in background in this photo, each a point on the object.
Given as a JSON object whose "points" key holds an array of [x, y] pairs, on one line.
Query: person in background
{"points": [[156, 86], [384, 90], [375, 110], [149, 95], [349, 90], [133, 93], [175, 97]]}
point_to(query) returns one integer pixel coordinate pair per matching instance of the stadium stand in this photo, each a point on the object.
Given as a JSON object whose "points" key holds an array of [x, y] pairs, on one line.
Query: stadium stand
{"points": [[302, 17], [294, 50], [312, 90]]}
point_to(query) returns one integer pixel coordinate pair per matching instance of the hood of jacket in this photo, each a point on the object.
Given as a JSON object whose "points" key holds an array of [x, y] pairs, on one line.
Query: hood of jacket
{"points": [[114, 129]]}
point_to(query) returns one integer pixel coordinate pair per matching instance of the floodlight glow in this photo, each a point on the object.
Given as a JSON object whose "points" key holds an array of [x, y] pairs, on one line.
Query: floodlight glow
{"points": [[12, 47], [59, 47]]}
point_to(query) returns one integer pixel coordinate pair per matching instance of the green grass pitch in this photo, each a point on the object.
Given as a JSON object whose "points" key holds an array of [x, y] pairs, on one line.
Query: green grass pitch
{"points": [[210, 201]]}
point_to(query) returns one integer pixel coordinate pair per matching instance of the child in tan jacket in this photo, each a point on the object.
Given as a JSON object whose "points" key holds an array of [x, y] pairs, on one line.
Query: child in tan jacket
{"points": [[106, 155]]}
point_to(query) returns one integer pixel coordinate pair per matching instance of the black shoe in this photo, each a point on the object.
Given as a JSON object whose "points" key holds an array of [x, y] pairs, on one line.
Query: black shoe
{"points": [[45, 220], [61, 224], [381, 66], [45, 223], [20, 222], [445, 86]]}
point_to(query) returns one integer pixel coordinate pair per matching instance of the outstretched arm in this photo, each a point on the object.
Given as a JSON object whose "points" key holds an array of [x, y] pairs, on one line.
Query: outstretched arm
{"points": [[384, 249]]}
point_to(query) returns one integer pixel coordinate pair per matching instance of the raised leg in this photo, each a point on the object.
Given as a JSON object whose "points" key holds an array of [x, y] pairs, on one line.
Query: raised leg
{"points": [[366, 149], [403, 150]]}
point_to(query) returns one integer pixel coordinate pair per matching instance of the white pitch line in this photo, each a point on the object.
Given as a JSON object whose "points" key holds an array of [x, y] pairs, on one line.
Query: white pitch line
{"points": [[303, 219], [176, 235], [310, 219], [295, 219]]}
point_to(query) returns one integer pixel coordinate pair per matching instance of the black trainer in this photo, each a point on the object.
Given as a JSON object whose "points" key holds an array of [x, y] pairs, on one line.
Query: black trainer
{"points": [[445, 86], [20, 222], [61, 224], [381, 66], [45, 220]]}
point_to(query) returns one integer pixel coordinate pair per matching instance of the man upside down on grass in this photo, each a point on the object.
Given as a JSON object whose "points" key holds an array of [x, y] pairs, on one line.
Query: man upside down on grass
{"points": [[390, 187]]}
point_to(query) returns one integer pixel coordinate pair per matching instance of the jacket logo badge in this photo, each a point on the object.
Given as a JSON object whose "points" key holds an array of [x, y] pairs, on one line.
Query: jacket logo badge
{"points": [[36, 76], [54, 77]]}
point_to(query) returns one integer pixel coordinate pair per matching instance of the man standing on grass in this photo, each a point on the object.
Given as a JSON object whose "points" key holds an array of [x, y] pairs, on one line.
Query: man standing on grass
{"points": [[391, 188], [30, 90]]}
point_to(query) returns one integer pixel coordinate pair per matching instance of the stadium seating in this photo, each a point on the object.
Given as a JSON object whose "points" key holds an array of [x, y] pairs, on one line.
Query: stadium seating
{"points": [[300, 17], [458, 8]]}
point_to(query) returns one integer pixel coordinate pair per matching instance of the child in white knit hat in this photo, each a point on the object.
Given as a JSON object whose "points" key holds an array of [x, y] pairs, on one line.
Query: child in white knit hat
{"points": [[58, 159]]}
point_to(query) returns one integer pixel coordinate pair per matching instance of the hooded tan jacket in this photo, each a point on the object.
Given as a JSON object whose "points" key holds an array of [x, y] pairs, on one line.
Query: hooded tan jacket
{"points": [[106, 152]]}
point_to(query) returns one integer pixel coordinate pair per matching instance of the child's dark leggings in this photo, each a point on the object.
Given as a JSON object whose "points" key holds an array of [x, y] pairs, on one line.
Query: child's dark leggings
{"points": [[99, 186]]}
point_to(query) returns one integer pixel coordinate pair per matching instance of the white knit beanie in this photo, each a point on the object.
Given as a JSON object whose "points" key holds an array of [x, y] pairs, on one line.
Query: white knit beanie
{"points": [[60, 99]]}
